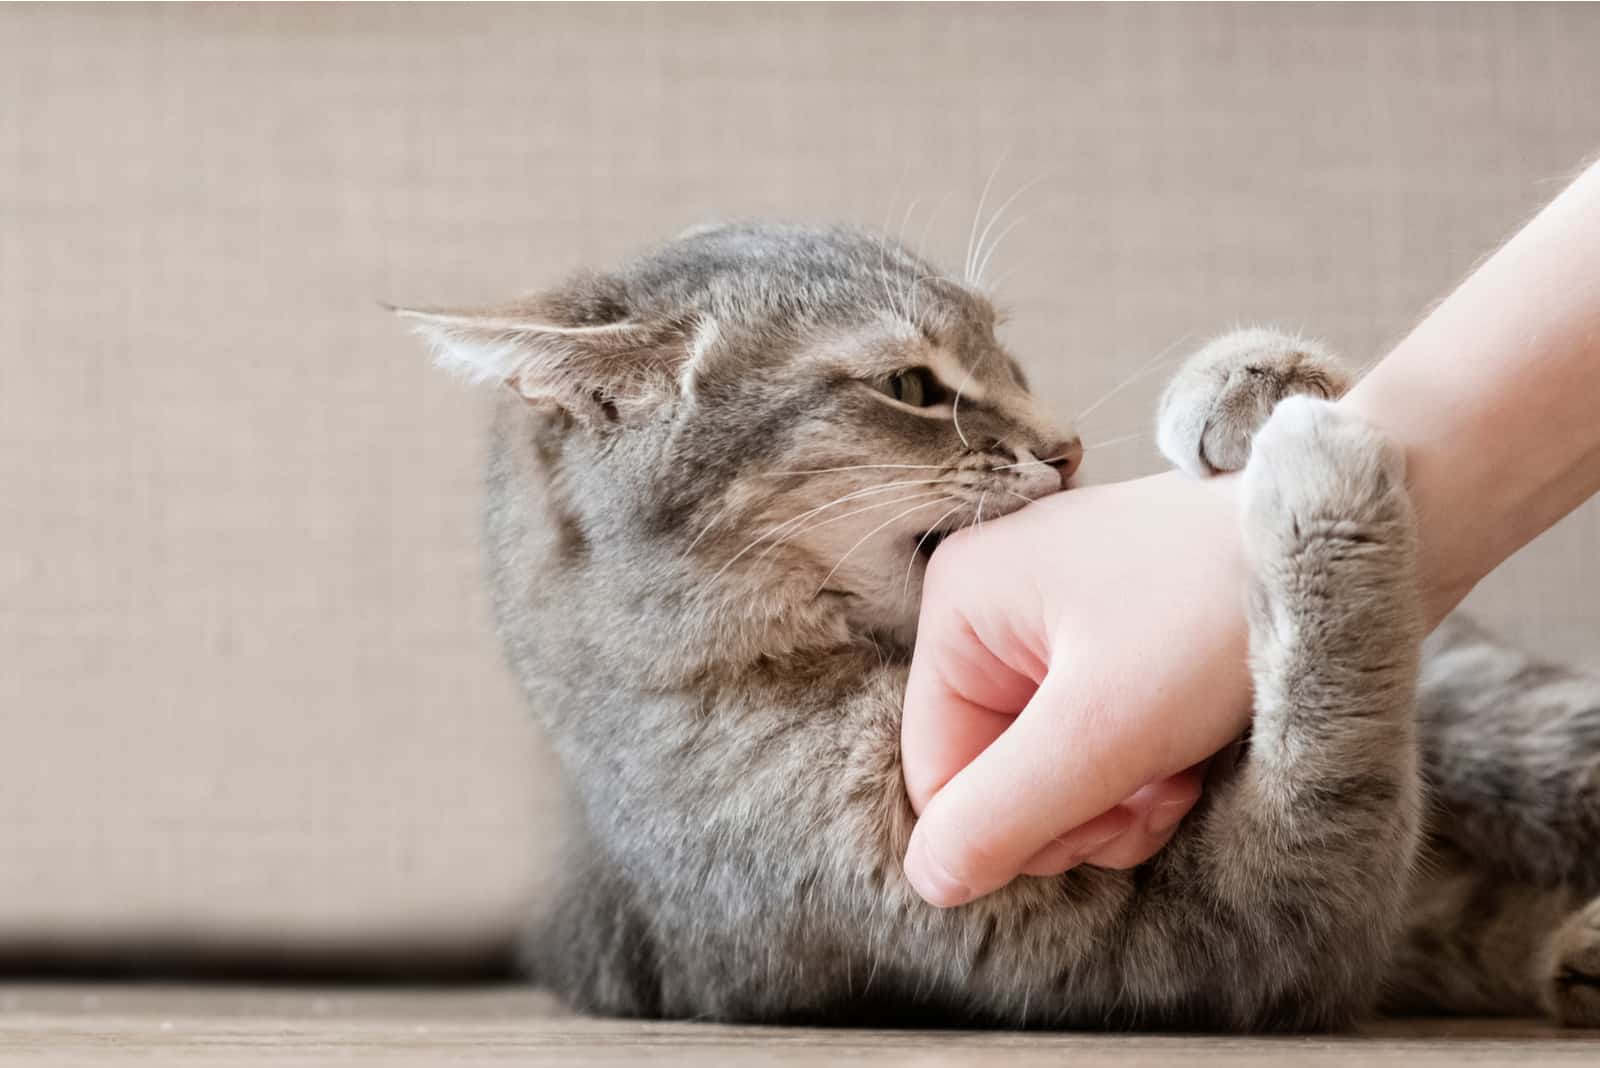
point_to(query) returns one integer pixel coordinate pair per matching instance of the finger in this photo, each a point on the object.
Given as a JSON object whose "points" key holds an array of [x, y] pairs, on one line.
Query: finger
{"points": [[1155, 813], [960, 697], [1129, 850], [951, 735], [1129, 834], [1058, 765], [1080, 843]]}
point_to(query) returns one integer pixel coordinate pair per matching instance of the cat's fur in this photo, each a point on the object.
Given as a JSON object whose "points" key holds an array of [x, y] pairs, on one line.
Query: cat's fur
{"points": [[718, 654]]}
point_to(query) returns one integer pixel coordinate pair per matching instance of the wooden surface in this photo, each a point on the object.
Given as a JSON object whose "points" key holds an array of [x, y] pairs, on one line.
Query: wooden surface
{"points": [[90, 1024]]}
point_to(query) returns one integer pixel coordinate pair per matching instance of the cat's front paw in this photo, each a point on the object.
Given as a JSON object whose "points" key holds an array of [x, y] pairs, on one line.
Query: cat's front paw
{"points": [[1225, 392], [1571, 984], [1320, 475]]}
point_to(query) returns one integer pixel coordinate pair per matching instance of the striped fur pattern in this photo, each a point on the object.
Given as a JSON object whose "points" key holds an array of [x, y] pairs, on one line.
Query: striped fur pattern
{"points": [[706, 545]]}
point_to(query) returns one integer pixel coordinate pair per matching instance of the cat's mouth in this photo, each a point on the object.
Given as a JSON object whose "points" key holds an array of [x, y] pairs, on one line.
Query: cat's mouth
{"points": [[928, 541]]}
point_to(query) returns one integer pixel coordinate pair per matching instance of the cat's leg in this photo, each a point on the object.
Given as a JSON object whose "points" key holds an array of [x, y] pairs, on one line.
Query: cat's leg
{"points": [[592, 945], [1286, 890], [1570, 973], [1224, 393], [1478, 942], [1508, 920], [1511, 746]]}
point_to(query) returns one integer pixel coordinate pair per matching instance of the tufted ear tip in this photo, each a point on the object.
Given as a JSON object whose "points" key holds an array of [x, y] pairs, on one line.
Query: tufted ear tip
{"points": [[602, 374], [421, 315], [413, 312]]}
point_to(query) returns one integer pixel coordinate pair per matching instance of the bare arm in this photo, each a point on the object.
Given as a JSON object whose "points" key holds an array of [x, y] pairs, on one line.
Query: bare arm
{"points": [[1495, 399]]}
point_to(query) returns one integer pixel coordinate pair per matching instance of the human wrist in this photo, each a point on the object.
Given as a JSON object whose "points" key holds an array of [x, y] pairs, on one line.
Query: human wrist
{"points": [[1450, 560], [1211, 510], [1491, 399]]}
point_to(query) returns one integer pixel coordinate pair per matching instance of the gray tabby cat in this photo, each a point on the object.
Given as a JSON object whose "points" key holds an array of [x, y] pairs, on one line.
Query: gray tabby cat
{"points": [[716, 479]]}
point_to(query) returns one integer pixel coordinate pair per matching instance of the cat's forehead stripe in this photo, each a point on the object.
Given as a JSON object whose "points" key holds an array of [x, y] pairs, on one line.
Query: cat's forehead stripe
{"points": [[955, 375], [705, 336], [910, 343]]}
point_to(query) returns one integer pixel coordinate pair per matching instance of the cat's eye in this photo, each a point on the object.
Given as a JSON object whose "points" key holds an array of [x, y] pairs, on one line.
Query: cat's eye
{"points": [[915, 386]]}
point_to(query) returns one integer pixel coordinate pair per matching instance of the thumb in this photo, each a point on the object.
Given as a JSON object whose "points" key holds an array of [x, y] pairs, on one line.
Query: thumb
{"points": [[1057, 766]]}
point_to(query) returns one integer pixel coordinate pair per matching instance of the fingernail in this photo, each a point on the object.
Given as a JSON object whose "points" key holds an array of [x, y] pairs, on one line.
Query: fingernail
{"points": [[1165, 817], [930, 879]]}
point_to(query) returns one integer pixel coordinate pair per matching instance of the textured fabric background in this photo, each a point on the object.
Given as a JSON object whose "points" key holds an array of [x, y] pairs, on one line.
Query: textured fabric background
{"points": [[249, 699]]}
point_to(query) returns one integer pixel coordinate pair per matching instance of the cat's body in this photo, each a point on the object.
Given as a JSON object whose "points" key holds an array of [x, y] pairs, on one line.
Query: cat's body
{"points": [[704, 553]]}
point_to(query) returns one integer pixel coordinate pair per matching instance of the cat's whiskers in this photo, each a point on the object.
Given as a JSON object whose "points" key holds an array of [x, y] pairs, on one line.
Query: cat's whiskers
{"points": [[902, 305], [1030, 463], [1148, 367], [983, 198], [911, 292], [716, 516], [955, 405], [981, 258], [983, 265], [728, 506], [1019, 496], [856, 494], [869, 534], [793, 534], [900, 235], [922, 241], [883, 261], [1120, 440], [922, 238], [911, 564], [1087, 446], [854, 467], [891, 307], [867, 491]]}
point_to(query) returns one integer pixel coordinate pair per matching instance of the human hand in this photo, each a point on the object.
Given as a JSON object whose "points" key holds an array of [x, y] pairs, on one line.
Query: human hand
{"points": [[1095, 641], [1076, 664]]}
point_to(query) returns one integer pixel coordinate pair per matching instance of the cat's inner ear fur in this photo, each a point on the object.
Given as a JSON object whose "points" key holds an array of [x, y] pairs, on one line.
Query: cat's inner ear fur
{"points": [[551, 354]]}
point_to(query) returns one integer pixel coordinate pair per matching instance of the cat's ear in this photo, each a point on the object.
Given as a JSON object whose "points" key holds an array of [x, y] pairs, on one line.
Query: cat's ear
{"points": [[543, 350]]}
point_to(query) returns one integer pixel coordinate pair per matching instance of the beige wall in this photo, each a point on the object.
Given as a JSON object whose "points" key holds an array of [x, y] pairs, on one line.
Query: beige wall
{"points": [[247, 691]]}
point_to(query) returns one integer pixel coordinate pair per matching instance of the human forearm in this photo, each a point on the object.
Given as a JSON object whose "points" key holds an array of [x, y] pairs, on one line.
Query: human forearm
{"points": [[1495, 398]]}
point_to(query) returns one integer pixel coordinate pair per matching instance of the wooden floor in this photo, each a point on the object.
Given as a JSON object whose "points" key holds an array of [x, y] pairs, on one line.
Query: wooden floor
{"points": [[95, 1024]]}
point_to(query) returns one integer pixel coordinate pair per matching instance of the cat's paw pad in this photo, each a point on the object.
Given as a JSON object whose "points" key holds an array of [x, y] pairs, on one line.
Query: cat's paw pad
{"points": [[1318, 473], [1225, 392], [1572, 982]]}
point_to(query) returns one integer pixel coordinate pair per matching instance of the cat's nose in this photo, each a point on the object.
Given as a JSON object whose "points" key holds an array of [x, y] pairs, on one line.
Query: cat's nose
{"points": [[1065, 456]]}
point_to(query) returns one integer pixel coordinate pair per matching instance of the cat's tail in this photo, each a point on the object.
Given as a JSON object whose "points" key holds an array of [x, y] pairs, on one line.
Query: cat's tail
{"points": [[1511, 752]]}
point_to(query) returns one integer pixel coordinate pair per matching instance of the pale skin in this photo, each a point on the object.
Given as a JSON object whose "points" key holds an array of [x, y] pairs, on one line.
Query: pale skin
{"points": [[1094, 642]]}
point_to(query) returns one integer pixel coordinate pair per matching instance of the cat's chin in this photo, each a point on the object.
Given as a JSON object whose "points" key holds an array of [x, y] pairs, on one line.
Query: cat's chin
{"points": [[890, 614], [886, 613]]}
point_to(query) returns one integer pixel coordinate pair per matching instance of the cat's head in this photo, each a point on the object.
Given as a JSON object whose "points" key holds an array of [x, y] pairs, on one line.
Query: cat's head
{"points": [[772, 412]]}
